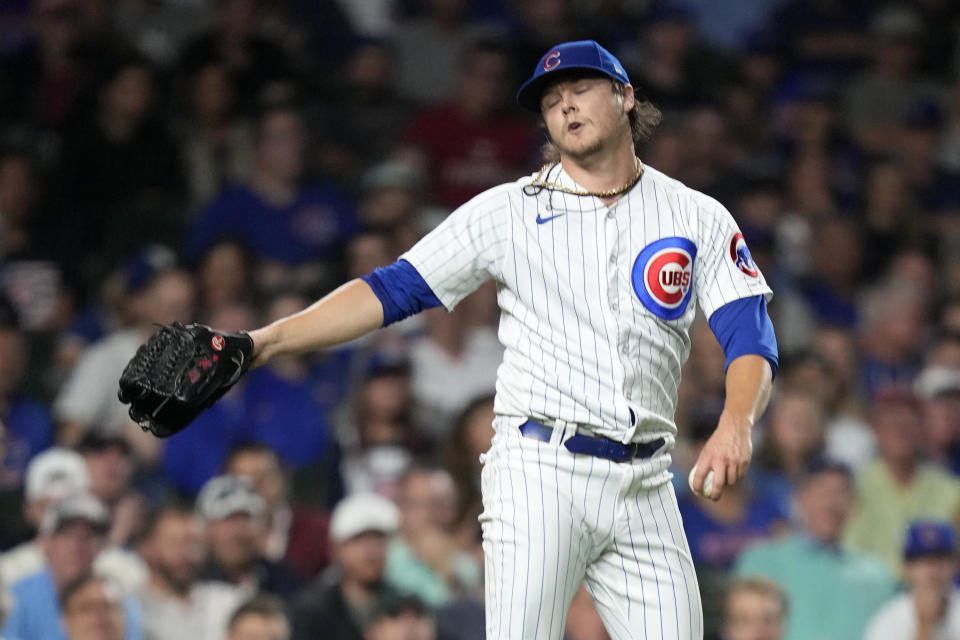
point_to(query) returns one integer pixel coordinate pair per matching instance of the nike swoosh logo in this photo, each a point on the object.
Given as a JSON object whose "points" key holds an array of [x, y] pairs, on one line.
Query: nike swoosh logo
{"points": [[545, 220]]}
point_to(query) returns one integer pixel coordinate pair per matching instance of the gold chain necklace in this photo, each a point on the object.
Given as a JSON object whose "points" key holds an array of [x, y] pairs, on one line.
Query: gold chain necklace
{"points": [[540, 183]]}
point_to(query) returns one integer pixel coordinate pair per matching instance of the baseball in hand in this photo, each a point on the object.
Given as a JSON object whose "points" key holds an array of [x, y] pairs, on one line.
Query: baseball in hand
{"points": [[707, 482]]}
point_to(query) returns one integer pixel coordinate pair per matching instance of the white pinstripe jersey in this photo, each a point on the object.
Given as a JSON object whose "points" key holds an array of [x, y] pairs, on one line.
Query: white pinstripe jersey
{"points": [[596, 302]]}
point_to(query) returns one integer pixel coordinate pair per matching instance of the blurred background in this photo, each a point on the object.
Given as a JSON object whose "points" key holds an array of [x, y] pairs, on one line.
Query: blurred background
{"points": [[229, 161]]}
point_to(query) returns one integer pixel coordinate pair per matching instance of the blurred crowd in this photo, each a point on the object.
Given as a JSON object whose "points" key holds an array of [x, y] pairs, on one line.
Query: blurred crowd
{"points": [[230, 161]]}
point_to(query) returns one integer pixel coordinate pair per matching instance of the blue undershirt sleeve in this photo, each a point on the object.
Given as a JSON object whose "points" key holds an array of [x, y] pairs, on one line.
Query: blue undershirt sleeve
{"points": [[402, 291], [743, 327]]}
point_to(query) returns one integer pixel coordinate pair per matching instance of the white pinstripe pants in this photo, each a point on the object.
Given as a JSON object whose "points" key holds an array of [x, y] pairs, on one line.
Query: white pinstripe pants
{"points": [[553, 520]]}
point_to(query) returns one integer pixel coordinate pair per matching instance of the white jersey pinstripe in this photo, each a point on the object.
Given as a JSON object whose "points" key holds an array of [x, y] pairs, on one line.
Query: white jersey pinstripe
{"points": [[581, 345]]}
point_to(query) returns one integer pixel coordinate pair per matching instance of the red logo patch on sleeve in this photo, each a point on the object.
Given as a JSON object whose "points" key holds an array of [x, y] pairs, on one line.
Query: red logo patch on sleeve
{"points": [[741, 257]]}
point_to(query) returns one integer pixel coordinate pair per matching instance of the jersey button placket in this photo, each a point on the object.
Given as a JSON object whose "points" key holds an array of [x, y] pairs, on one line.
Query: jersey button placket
{"points": [[613, 288]]}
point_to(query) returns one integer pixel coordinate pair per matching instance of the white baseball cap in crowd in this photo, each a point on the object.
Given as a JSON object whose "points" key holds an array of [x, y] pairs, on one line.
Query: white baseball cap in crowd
{"points": [[937, 380], [79, 506], [361, 513], [55, 474], [226, 495]]}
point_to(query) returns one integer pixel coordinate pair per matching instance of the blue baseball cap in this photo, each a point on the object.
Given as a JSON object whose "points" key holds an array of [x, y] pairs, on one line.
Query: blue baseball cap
{"points": [[929, 538], [581, 54]]}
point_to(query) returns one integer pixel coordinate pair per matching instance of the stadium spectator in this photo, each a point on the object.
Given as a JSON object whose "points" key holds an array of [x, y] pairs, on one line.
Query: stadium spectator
{"points": [[175, 603], [295, 534], [677, 71], [424, 560], [160, 29], [820, 35], [27, 424], [280, 409], [407, 617], [384, 438], [119, 197], [110, 465], [52, 475], [157, 293], [360, 124], [72, 534], [754, 609], [475, 140], [462, 458], [224, 277], [253, 60], [830, 290], [260, 618], [931, 608], [454, 362], [848, 437], [793, 435], [217, 144], [949, 141], [343, 600], [709, 152], [832, 591], [878, 99], [889, 216], [92, 609], [285, 222], [892, 324], [45, 78], [369, 250], [439, 40], [36, 259], [232, 514], [938, 387], [900, 486], [391, 204]]}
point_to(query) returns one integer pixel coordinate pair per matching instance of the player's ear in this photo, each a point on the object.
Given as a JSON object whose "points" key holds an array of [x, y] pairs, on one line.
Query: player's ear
{"points": [[628, 98]]}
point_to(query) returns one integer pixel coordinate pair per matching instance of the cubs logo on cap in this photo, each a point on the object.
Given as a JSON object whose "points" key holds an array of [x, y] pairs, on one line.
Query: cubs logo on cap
{"points": [[741, 257], [551, 60], [580, 54], [662, 276]]}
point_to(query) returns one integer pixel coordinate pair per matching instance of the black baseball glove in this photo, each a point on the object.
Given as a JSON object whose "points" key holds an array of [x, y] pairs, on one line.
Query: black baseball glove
{"points": [[179, 372]]}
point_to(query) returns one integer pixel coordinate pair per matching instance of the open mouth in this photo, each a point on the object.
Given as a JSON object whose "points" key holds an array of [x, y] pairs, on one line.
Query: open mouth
{"points": [[574, 126]]}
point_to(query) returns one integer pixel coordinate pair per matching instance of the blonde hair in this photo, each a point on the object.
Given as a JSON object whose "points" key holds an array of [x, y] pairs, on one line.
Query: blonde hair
{"points": [[644, 118]]}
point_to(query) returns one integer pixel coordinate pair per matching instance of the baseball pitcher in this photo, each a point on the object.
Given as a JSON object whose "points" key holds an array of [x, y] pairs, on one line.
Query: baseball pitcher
{"points": [[600, 262]]}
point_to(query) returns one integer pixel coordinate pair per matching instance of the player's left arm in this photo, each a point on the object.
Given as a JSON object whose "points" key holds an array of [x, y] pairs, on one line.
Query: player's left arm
{"points": [[733, 294], [745, 332]]}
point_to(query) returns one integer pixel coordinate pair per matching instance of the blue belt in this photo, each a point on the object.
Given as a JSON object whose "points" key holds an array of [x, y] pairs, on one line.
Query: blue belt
{"points": [[597, 446]]}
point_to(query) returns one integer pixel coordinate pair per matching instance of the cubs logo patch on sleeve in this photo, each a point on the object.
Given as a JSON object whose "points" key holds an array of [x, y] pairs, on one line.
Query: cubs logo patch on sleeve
{"points": [[741, 257], [662, 276]]}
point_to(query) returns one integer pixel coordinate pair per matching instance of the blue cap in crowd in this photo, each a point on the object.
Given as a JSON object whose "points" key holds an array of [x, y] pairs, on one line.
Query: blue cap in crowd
{"points": [[826, 464], [141, 268], [581, 54], [928, 538]]}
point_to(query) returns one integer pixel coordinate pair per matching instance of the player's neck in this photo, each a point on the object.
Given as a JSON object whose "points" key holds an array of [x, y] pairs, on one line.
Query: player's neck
{"points": [[602, 172]]}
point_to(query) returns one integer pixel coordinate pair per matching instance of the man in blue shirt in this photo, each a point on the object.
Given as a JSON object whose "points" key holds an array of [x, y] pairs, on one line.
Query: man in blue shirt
{"points": [[832, 591], [280, 219], [73, 532]]}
